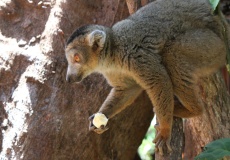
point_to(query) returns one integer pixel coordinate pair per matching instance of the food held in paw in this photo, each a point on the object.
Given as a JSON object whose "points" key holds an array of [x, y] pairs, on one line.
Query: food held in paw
{"points": [[100, 120]]}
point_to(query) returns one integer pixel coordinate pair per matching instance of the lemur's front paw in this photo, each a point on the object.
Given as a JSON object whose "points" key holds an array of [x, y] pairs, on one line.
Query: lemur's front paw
{"points": [[97, 123], [163, 137]]}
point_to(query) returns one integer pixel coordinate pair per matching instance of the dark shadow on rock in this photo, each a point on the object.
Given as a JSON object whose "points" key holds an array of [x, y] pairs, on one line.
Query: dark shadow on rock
{"points": [[19, 19]]}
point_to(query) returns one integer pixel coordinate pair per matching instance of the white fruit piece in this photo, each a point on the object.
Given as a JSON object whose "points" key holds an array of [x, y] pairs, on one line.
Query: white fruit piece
{"points": [[99, 120]]}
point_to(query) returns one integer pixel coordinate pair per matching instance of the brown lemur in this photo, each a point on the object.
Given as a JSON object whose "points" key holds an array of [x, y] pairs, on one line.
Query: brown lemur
{"points": [[163, 48]]}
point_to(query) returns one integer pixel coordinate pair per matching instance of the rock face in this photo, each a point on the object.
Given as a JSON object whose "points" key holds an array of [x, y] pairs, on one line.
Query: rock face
{"points": [[42, 117]]}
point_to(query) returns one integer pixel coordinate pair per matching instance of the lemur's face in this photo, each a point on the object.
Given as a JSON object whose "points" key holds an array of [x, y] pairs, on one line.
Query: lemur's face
{"points": [[82, 54], [81, 61]]}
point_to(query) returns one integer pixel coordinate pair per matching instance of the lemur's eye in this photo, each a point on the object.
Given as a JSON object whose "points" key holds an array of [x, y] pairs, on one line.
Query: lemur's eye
{"points": [[76, 58]]}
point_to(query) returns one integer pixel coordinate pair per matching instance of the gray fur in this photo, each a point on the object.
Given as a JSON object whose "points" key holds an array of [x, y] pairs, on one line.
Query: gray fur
{"points": [[163, 48]]}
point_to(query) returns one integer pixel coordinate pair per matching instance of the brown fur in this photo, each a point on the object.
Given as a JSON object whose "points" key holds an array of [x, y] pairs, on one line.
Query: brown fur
{"points": [[163, 48]]}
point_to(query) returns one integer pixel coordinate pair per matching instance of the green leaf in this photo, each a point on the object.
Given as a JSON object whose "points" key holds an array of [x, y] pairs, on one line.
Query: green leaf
{"points": [[228, 67], [215, 150], [146, 149], [214, 4]]}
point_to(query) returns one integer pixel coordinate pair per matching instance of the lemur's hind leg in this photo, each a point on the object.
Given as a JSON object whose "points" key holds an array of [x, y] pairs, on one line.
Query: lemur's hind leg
{"points": [[190, 57]]}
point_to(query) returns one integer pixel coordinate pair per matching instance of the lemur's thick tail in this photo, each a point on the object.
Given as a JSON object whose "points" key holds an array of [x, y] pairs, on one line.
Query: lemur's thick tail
{"points": [[226, 33]]}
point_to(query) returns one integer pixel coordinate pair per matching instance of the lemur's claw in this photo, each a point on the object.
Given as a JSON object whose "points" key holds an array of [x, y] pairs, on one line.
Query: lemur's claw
{"points": [[162, 138]]}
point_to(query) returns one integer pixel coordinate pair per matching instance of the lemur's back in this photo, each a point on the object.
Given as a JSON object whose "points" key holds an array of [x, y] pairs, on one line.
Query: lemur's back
{"points": [[164, 19]]}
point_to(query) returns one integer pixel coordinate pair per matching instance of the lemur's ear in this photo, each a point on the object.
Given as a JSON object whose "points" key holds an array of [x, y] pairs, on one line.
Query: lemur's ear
{"points": [[96, 39]]}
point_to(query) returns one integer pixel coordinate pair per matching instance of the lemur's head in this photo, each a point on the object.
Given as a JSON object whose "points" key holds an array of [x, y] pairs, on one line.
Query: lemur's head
{"points": [[83, 51]]}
